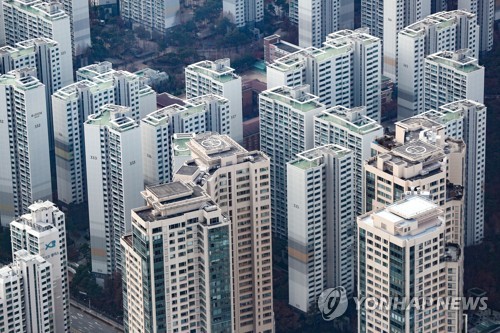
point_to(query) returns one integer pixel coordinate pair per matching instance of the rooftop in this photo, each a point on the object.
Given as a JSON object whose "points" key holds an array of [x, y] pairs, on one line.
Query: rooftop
{"points": [[187, 170], [180, 144], [171, 200], [416, 150], [460, 60], [218, 69], [165, 99], [214, 145], [411, 217], [361, 35], [169, 191], [113, 116], [51, 11], [441, 20], [412, 207], [314, 157], [297, 97], [354, 120], [21, 79]]}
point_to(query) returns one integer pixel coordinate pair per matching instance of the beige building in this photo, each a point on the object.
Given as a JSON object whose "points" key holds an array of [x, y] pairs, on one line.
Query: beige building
{"points": [[417, 156], [238, 182], [175, 263], [403, 252]]}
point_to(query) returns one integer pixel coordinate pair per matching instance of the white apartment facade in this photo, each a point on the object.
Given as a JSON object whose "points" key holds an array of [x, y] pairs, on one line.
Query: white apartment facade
{"points": [[450, 77], [131, 89], [320, 224], [239, 183], [154, 15], [92, 71], [71, 106], [286, 129], [218, 78], [24, 143], [485, 11], [445, 31], [201, 114], [114, 178], [466, 120], [78, 12], [402, 252], [43, 232], [11, 288], [372, 16], [397, 15], [29, 299], [345, 71], [316, 19], [176, 270], [242, 12], [41, 53], [385, 19], [26, 19], [44, 55], [99, 85], [352, 129]]}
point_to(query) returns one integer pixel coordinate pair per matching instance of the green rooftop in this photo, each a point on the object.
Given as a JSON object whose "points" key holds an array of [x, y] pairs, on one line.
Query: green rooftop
{"points": [[304, 106], [222, 77], [353, 127], [329, 51], [304, 164], [461, 65], [103, 118], [26, 83], [180, 147]]}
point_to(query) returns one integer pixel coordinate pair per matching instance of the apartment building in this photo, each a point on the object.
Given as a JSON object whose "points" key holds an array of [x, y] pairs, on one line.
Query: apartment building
{"points": [[432, 130], [40, 53], [28, 19], [98, 85], [316, 19], [346, 71], [352, 129], [485, 11], [403, 253], [114, 178], [42, 232], [154, 15], [71, 106], [445, 31], [452, 76], [24, 143], [386, 19], [200, 114], [466, 120], [78, 12], [286, 129], [218, 78], [176, 263], [242, 12], [44, 55], [320, 224], [26, 295], [417, 159], [239, 183]]}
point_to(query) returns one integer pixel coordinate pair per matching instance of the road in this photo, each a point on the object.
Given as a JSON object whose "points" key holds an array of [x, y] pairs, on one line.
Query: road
{"points": [[82, 322]]}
